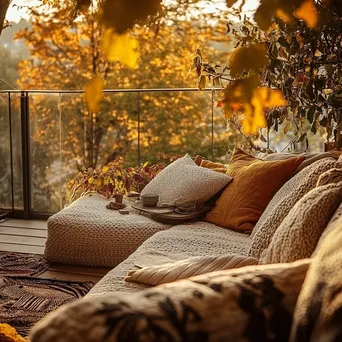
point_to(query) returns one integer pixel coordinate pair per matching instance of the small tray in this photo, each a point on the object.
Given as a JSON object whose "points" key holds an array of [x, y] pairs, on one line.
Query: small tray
{"points": [[168, 215], [138, 205]]}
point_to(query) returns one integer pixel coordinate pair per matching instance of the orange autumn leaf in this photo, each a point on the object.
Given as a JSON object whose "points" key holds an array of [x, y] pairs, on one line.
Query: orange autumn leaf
{"points": [[93, 93], [308, 13], [283, 15]]}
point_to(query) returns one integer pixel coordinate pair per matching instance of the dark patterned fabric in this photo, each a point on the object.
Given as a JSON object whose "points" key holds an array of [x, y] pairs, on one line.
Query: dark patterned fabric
{"points": [[253, 303], [21, 264], [25, 300], [318, 314]]}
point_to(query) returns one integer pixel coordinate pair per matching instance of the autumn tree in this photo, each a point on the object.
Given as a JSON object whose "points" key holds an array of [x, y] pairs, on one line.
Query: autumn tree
{"points": [[68, 58]]}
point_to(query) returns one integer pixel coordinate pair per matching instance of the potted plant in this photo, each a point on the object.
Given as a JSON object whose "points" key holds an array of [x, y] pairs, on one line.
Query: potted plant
{"points": [[114, 180]]}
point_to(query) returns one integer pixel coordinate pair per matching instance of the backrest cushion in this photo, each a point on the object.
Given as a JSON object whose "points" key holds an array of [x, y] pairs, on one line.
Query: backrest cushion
{"points": [[297, 236], [255, 183], [331, 176], [318, 311], [184, 181], [283, 202]]}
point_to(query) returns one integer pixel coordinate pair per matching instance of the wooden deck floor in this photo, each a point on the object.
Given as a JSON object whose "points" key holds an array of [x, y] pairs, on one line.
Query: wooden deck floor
{"points": [[29, 236]]}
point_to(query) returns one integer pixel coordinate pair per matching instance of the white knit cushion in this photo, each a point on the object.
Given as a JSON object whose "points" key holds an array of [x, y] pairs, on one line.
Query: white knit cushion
{"points": [[184, 181], [297, 236], [283, 202]]}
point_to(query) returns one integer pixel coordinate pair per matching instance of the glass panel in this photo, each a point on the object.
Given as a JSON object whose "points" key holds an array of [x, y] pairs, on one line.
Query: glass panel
{"points": [[5, 156], [44, 148], [116, 129], [17, 153], [180, 122]]}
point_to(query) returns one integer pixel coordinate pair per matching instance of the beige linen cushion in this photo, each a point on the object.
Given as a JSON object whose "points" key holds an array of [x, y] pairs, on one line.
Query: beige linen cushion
{"points": [[253, 303], [317, 315], [297, 236], [187, 268], [185, 181], [283, 202]]}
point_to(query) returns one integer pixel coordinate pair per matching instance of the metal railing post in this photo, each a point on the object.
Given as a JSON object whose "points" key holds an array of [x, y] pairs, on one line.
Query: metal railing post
{"points": [[25, 144], [11, 147], [212, 124], [139, 149]]}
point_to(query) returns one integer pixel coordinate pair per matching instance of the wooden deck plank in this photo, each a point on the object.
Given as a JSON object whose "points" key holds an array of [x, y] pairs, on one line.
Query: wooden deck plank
{"points": [[22, 240], [29, 236], [69, 276], [36, 224], [23, 231], [93, 271], [17, 248]]}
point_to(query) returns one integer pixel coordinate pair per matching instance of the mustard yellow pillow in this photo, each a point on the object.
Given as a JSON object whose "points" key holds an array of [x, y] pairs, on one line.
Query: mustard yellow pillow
{"points": [[254, 184], [218, 167]]}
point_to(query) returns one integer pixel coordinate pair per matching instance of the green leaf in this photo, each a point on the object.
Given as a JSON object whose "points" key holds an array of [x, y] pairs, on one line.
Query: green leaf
{"points": [[301, 138], [310, 114]]}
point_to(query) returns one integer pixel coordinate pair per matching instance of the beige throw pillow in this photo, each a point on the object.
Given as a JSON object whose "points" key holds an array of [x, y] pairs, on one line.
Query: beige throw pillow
{"points": [[283, 202], [187, 268], [184, 181], [297, 236]]}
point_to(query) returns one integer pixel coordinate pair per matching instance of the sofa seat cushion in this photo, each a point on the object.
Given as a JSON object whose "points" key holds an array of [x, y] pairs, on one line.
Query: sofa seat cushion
{"points": [[186, 240], [87, 233], [253, 303], [283, 201]]}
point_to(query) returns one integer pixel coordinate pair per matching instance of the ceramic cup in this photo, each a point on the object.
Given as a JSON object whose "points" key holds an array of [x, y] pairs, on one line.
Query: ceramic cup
{"points": [[149, 200]]}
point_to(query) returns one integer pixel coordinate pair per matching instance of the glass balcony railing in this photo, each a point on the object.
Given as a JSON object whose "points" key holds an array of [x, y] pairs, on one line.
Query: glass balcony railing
{"points": [[46, 137]]}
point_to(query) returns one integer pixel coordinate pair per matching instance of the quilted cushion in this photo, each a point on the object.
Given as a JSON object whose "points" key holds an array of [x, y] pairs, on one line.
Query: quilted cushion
{"points": [[283, 202], [253, 303], [297, 236], [318, 311], [184, 181]]}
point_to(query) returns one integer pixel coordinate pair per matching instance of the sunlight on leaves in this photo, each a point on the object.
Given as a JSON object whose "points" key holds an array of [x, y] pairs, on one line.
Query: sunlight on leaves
{"points": [[251, 102], [93, 93], [121, 47], [308, 13], [254, 117]]}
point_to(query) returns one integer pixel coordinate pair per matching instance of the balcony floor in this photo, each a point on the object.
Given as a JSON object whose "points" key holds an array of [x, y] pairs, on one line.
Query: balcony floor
{"points": [[29, 236]]}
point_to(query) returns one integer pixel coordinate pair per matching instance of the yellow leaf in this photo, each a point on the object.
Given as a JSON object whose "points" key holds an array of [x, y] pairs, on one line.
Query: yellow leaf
{"points": [[121, 47], [105, 168], [254, 117], [93, 93], [91, 180], [308, 13]]}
